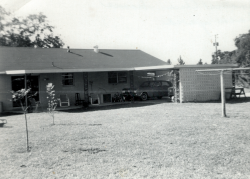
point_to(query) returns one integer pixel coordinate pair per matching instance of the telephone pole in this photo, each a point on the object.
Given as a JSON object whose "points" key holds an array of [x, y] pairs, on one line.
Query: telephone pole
{"points": [[216, 44]]}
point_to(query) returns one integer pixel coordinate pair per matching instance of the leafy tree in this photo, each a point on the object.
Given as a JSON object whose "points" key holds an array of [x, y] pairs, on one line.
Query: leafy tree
{"points": [[215, 59], [243, 49], [242, 57], [200, 62], [19, 96], [223, 57], [30, 31], [180, 61], [169, 62], [52, 102]]}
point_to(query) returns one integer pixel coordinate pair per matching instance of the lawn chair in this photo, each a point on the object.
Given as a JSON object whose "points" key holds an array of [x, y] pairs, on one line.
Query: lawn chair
{"points": [[2, 122], [78, 100], [64, 100], [94, 99], [33, 105]]}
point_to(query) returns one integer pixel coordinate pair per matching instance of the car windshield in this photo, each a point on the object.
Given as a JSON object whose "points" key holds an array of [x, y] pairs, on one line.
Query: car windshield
{"points": [[145, 84], [156, 83], [166, 83]]}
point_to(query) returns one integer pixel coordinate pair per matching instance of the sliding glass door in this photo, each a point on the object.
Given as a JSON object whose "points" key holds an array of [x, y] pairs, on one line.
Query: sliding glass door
{"points": [[18, 82]]}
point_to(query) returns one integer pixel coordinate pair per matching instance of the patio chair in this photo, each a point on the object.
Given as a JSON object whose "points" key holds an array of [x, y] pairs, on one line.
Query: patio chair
{"points": [[64, 100], [78, 100], [94, 99]]}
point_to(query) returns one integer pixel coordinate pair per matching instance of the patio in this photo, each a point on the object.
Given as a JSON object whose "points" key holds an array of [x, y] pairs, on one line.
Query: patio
{"points": [[44, 109]]}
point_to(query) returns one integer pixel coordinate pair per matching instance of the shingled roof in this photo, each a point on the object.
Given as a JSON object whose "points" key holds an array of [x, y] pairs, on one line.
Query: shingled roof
{"points": [[48, 60]]}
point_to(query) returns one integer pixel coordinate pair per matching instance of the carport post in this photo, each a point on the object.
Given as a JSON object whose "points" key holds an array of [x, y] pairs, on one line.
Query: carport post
{"points": [[222, 94]]}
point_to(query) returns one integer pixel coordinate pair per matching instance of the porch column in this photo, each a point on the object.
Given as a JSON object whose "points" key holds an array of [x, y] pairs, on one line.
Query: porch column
{"points": [[131, 78], [86, 86], [233, 78], [176, 86]]}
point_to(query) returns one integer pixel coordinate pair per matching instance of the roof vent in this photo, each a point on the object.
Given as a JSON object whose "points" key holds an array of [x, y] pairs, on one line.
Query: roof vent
{"points": [[68, 49], [96, 50]]}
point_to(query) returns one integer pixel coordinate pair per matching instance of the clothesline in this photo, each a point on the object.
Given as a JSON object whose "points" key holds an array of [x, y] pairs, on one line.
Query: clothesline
{"points": [[158, 76]]}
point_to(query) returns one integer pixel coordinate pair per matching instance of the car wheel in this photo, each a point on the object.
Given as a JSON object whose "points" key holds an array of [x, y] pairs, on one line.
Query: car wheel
{"points": [[144, 96], [159, 97]]}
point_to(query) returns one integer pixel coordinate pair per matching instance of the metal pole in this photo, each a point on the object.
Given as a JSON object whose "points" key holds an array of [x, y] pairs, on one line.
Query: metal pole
{"points": [[215, 47], [25, 86], [216, 44], [223, 105], [26, 122]]}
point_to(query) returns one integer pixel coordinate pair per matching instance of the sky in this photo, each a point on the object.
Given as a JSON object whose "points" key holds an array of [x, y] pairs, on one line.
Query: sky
{"points": [[166, 29]]}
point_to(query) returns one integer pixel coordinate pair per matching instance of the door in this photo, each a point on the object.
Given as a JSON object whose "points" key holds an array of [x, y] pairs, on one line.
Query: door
{"points": [[32, 82]]}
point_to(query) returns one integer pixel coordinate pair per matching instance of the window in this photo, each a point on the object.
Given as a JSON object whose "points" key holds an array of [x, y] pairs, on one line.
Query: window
{"points": [[117, 77], [67, 79], [145, 84], [157, 83], [151, 74], [165, 83]]}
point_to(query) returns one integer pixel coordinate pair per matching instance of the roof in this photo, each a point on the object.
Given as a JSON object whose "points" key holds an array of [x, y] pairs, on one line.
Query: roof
{"points": [[47, 60], [207, 66]]}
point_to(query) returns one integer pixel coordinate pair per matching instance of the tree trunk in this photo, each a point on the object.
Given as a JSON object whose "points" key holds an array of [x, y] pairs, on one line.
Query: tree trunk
{"points": [[26, 123]]}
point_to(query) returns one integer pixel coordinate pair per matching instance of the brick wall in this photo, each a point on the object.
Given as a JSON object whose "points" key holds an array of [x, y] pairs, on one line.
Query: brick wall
{"points": [[198, 87], [56, 79]]}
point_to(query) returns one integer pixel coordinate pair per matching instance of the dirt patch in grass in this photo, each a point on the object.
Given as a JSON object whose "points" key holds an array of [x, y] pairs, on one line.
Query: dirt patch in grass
{"points": [[139, 140]]}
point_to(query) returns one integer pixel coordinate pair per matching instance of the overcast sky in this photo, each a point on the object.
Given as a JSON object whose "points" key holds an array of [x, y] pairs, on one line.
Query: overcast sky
{"points": [[165, 29]]}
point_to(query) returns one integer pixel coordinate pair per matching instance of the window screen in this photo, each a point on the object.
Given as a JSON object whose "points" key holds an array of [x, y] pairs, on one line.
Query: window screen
{"points": [[67, 79]]}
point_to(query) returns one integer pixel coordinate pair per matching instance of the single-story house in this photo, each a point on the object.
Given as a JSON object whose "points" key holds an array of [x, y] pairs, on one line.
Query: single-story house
{"points": [[98, 72]]}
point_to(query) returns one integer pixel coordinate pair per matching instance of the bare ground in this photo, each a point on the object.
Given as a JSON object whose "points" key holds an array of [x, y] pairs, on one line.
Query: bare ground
{"points": [[153, 139]]}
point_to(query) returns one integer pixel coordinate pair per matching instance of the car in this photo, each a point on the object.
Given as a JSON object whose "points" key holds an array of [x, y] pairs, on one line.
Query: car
{"points": [[149, 89]]}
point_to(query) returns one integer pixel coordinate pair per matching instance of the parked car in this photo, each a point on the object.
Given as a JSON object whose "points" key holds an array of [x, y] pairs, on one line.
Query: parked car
{"points": [[150, 89]]}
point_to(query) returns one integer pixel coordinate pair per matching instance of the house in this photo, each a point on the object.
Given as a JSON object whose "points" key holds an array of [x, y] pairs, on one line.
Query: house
{"points": [[95, 72], [83, 71]]}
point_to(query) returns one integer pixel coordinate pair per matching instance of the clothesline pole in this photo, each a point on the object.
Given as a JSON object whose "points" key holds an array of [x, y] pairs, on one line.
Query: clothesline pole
{"points": [[223, 100]]}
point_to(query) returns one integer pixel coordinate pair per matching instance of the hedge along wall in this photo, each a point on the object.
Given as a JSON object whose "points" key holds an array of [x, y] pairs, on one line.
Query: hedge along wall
{"points": [[195, 86]]}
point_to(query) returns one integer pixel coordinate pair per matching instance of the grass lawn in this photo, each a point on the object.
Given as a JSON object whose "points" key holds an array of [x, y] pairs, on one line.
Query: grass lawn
{"points": [[140, 140]]}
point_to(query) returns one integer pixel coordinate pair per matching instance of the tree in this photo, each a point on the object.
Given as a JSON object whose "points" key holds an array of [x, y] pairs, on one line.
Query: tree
{"points": [[243, 49], [180, 61], [169, 62], [19, 96], [242, 57], [30, 31], [52, 102], [200, 62], [223, 57]]}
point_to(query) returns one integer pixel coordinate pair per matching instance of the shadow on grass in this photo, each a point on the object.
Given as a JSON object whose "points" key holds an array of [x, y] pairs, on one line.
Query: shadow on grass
{"points": [[91, 150], [229, 101], [68, 124], [116, 106], [88, 150], [5, 114], [238, 100], [6, 127]]}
